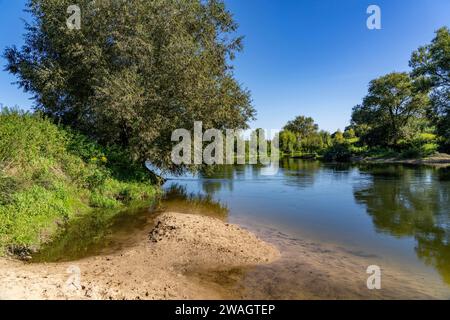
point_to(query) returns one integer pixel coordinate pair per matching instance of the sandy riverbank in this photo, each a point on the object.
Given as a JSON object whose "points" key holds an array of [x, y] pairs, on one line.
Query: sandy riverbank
{"points": [[184, 256], [154, 268], [436, 160]]}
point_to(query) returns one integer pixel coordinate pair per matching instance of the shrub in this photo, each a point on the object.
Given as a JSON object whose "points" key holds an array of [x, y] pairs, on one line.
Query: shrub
{"points": [[338, 152], [423, 145], [411, 153], [48, 176], [429, 149]]}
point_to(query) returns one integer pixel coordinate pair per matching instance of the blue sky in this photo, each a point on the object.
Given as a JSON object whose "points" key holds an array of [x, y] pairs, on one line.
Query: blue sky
{"points": [[301, 57]]}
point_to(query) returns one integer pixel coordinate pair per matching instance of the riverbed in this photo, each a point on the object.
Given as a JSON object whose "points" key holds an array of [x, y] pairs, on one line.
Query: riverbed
{"points": [[344, 217], [329, 221]]}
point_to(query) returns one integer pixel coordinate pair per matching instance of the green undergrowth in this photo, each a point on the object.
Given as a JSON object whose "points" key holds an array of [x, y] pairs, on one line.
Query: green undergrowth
{"points": [[50, 176]]}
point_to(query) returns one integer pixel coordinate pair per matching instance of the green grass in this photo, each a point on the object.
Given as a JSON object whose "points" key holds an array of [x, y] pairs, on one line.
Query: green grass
{"points": [[49, 176]]}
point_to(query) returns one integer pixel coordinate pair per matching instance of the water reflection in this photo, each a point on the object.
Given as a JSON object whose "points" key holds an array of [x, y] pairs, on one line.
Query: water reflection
{"points": [[379, 210], [178, 199], [444, 174], [103, 232], [411, 202], [300, 174], [345, 203], [107, 231]]}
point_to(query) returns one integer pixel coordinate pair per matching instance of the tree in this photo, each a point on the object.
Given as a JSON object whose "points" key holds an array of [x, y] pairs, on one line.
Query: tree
{"points": [[349, 133], [338, 137], [135, 71], [387, 110], [302, 127], [431, 64], [326, 139], [288, 141], [311, 144]]}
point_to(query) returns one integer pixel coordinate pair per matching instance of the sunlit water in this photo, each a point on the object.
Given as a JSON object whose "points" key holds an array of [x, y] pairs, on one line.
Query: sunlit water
{"points": [[389, 214], [392, 213]]}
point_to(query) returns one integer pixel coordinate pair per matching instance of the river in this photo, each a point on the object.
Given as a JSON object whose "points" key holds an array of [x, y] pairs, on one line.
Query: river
{"points": [[329, 220]]}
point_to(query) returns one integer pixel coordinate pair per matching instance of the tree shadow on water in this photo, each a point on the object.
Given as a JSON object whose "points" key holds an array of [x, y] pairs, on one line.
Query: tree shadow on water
{"points": [[412, 203]]}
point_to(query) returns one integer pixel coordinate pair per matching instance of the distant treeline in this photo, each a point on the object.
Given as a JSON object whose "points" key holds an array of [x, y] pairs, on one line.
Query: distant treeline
{"points": [[403, 114]]}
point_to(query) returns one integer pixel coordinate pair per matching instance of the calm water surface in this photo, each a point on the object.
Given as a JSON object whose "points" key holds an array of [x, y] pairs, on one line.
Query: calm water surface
{"points": [[398, 213], [390, 214]]}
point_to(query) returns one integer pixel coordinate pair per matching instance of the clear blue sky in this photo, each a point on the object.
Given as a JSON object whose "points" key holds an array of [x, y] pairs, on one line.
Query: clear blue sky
{"points": [[301, 57]]}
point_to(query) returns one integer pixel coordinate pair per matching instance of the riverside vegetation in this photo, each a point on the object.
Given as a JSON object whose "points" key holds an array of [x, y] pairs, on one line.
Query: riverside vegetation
{"points": [[404, 115], [109, 99], [50, 176]]}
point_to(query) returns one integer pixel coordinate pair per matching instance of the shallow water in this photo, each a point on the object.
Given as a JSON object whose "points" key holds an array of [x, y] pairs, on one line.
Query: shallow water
{"points": [[388, 214], [104, 232], [330, 222]]}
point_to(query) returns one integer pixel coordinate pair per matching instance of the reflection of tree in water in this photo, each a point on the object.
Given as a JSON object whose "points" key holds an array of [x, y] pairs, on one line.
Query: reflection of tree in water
{"points": [[407, 202], [223, 177], [291, 165], [444, 174], [223, 172], [338, 171], [177, 199], [216, 178], [211, 187], [299, 173], [93, 234], [304, 173]]}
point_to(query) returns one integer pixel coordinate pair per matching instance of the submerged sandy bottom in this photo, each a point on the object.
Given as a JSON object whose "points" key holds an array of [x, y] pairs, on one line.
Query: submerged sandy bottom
{"points": [[310, 270], [183, 256], [154, 268]]}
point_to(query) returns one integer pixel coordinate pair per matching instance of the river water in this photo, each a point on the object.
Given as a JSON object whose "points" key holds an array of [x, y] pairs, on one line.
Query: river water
{"points": [[393, 215], [330, 222]]}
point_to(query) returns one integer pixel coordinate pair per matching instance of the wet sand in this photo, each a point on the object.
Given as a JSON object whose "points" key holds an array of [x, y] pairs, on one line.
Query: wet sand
{"points": [[154, 268], [310, 270], [184, 256]]}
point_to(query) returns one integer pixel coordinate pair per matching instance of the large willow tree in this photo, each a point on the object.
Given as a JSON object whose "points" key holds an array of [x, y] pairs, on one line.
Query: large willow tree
{"points": [[135, 70]]}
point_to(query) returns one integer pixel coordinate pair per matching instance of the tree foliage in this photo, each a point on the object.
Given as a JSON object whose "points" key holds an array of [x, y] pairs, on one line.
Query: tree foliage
{"points": [[431, 65], [135, 71], [302, 126], [388, 109], [302, 135], [288, 142]]}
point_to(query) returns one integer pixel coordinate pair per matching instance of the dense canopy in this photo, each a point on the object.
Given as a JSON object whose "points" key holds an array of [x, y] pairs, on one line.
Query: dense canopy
{"points": [[135, 70]]}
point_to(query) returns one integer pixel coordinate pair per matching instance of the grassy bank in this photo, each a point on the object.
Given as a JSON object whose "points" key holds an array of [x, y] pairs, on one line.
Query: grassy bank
{"points": [[342, 154], [424, 147], [50, 176]]}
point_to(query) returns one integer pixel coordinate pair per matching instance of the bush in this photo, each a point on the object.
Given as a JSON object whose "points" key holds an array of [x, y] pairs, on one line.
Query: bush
{"points": [[411, 153], [49, 175], [423, 145], [339, 153], [429, 149]]}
